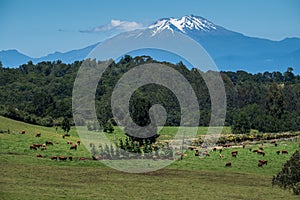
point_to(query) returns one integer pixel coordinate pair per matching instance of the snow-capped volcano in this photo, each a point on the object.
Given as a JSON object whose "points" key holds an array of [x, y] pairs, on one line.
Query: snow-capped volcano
{"points": [[184, 24]]}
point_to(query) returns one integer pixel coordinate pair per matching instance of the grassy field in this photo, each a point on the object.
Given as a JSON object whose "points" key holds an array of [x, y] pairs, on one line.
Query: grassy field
{"points": [[24, 176]]}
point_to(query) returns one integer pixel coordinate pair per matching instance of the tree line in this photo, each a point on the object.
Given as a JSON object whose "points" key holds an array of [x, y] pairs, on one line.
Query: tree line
{"points": [[42, 94]]}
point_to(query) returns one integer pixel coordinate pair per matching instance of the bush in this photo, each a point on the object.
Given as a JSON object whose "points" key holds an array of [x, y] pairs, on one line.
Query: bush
{"points": [[289, 176]]}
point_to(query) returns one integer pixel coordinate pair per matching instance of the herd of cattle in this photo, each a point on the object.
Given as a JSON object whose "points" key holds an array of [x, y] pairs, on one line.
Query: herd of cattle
{"points": [[43, 147], [234, 153]]}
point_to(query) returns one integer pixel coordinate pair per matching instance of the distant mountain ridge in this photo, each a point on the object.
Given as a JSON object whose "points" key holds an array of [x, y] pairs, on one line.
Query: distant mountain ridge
{"points": [[13, 58], [230, 50]]}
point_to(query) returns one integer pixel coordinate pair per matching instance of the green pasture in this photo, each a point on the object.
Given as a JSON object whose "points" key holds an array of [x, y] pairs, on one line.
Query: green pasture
{"points": [[25, 176]]}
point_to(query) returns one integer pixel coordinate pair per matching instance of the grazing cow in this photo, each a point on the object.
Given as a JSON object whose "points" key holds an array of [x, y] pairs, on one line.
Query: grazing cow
{"points": [[63, 158], [54, 158], [255, 151], [260, 152], [259, 164], [278, 152], [37, 145], [70, 158], [197, 152], [78, 142], [74, 146], [38, 135], [273, 141], [284, 152], [234, 155], [39, 156], [43, 145], [228, 164], [81, 158], [49, 143], [23, 132], [234, 152], [264, 162], [33, 147]]}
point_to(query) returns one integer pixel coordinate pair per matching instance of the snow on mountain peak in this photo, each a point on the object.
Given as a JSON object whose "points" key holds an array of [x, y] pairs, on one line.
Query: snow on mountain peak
{"points": [[183, 24]]}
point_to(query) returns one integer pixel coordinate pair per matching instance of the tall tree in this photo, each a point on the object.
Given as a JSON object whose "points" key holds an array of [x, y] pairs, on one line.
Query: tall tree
{"points": [[275, 104], [66, 125]]}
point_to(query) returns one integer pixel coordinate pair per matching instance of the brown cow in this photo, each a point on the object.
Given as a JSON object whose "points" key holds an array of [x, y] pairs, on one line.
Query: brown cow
{"points": [[234, 152], [263, 162], [38, 134], [49, 143], [37, 145], [74, 146], [81, 158], [260, 152], [233, 155], [273, 141], [64, 158], [54, 158], [284, 152], [23, 132], [228, 164], [33, 147]]}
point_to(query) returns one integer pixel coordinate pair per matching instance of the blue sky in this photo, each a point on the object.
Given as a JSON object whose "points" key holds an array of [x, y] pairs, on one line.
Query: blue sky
{"points": [[40, 27]]}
